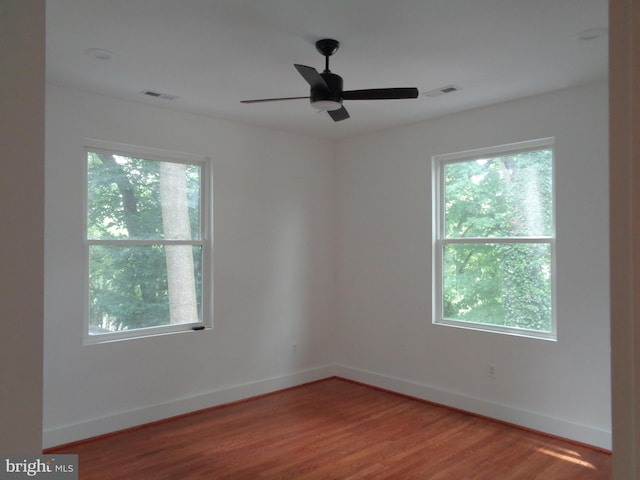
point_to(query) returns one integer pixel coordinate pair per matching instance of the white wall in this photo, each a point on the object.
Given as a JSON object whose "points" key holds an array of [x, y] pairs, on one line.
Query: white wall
{"points": [[385, 334], [273, 274], [21, 219]]}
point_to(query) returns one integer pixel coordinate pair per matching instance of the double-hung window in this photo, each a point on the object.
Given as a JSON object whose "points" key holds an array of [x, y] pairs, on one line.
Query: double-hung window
{"points": [[148, 242], [494, 245]]}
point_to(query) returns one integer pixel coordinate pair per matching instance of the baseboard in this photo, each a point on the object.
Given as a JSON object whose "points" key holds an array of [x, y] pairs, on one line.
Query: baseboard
{"points": [[530, 420], [505, 413], [152, 413]]}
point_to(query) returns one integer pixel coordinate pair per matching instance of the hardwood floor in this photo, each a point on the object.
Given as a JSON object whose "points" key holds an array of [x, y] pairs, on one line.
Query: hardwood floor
{"points": [[334, 429]]}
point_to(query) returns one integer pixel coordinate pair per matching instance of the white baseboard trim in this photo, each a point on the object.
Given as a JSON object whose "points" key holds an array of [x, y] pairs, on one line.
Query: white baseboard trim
{"points": [[506, 413], [132, 418]]}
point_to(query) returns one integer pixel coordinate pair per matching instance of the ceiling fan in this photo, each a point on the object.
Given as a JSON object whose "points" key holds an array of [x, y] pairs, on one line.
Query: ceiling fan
{"points": [[326, 93]]}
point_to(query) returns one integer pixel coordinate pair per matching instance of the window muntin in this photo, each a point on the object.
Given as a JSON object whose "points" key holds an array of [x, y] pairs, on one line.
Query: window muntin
{"points": [[147, 241], [494, 239]]}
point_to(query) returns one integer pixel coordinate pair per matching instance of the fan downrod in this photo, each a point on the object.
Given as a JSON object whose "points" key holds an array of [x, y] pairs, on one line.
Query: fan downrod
{"points": [[327, 47]]}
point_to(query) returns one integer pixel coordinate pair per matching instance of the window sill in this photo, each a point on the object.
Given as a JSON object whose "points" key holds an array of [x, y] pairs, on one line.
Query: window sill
{"points": [[141, 334], [485, 328]]}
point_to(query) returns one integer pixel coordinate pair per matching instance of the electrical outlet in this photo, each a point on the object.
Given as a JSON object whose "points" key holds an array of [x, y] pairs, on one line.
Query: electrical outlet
{"points": [[295, 348], [492, 370]]}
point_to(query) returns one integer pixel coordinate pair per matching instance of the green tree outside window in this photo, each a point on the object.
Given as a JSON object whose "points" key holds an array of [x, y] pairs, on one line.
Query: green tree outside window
{"points": [[144, 248], [496, 227]]}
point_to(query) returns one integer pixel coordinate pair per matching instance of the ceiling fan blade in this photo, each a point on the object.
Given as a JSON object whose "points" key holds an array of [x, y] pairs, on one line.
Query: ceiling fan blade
{"points": [[262, 100], [380, 94], [339, 114], [312, 76]]}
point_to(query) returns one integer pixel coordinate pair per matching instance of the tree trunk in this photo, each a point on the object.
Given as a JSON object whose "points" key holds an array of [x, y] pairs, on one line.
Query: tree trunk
{"points": [[175, 220]]}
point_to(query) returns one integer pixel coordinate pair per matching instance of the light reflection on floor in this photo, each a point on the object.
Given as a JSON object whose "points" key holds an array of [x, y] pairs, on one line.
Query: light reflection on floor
{"points": [[566, 455]]}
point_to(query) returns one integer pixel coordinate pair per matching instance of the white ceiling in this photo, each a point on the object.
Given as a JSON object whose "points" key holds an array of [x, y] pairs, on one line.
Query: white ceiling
{"points": [[213, 53]]}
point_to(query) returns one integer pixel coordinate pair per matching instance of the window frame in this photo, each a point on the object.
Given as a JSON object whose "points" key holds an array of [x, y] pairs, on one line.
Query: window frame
{"points": [[205, 241], [439, 241]]}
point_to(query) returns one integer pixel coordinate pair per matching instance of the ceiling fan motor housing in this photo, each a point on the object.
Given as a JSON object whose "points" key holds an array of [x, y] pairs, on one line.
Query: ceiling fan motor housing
{"points": [[333, 93]]}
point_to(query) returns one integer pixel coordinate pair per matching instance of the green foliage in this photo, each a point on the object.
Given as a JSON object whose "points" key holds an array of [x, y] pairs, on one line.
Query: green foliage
{"points": [[490, 278], [128, 284], [128, 287]]}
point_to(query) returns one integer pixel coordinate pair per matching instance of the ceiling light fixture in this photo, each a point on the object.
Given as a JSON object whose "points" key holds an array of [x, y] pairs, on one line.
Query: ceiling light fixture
{"points": [[591, 33], [99, 53], [326, 105]]}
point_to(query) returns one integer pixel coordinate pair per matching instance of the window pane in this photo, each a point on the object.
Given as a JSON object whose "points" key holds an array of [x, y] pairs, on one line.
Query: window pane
{"points": [[506, 196], [134, 198], [133, 287], [507, 284]]}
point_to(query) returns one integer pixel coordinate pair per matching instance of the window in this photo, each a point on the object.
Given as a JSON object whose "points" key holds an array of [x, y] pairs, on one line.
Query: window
{"points": [[148, 242], [494, 239]]}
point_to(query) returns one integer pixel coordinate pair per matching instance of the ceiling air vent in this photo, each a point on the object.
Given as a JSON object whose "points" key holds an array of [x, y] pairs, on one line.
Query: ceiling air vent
{"points": [[441, 91], [163, 96]]}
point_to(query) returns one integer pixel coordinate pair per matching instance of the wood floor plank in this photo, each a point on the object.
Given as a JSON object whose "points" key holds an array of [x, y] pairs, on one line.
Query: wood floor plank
{"points": [[335, 430]]}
